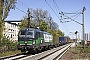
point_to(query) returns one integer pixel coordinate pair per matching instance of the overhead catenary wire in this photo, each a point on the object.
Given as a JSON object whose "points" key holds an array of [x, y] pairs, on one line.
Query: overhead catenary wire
{"points": [[17, 14], [56, 15], [23, 3], [76, 12], [56, 6], [21, 10], [69, 18], [13, 16], [76, 16], [57, 9], [52, 9], [26, 6]]}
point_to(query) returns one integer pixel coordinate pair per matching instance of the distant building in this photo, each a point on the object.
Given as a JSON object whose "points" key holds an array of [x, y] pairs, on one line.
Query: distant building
{"points": [[87, 36], [11, 30]]}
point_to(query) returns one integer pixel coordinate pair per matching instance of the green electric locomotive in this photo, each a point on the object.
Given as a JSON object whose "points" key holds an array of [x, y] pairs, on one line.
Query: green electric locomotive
{"points": [[31, 40]]}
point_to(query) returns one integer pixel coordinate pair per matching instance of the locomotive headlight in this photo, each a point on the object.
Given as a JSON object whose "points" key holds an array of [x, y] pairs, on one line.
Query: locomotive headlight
{"points": [[60, 41], [33, 41], [25, 41]]}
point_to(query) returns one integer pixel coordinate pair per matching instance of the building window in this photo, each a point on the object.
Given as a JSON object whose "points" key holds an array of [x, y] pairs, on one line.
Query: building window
{"points": [[11, 35], [13, 26]]}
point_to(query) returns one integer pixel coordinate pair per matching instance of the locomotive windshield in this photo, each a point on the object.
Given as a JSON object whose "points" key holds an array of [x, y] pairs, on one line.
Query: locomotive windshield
{"points": [[26, 33], [30, 33]]}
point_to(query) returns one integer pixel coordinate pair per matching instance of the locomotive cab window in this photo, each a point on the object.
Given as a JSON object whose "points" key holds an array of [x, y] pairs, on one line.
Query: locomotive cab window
{"points": [[23, 32]]}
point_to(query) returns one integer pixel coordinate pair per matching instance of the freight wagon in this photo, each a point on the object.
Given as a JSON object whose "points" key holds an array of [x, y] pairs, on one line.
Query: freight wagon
{"points": [[64, 40]]}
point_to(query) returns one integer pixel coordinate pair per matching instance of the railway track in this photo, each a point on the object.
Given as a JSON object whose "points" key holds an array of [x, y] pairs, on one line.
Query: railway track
{"points": [[14, 57], [53, 54], [57, 54]]}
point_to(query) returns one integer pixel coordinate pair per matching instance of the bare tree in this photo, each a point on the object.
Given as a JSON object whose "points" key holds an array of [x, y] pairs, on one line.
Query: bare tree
{"points": [[39, 15]]}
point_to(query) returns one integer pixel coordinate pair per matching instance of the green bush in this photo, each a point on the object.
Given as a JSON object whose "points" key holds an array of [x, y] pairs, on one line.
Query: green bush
{"points": [[7, 45]]}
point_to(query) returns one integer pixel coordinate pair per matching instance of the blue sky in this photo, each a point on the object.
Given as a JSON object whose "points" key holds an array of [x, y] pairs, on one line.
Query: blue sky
{"points": [[64, 5]]}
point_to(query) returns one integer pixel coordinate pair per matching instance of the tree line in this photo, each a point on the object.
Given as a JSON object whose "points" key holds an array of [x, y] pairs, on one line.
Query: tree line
{"points": [[40, 18]]}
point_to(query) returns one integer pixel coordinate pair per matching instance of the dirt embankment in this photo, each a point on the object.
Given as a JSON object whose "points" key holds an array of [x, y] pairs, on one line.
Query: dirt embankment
{"points": [[77, 53]]}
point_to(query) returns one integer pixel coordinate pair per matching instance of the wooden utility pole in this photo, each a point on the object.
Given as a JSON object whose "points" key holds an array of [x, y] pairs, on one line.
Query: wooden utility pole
{"points": [[28, 18]]}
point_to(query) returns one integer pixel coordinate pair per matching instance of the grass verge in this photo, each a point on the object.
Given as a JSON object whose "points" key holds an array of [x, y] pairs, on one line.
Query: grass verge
{"points": [[9, 53]]}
